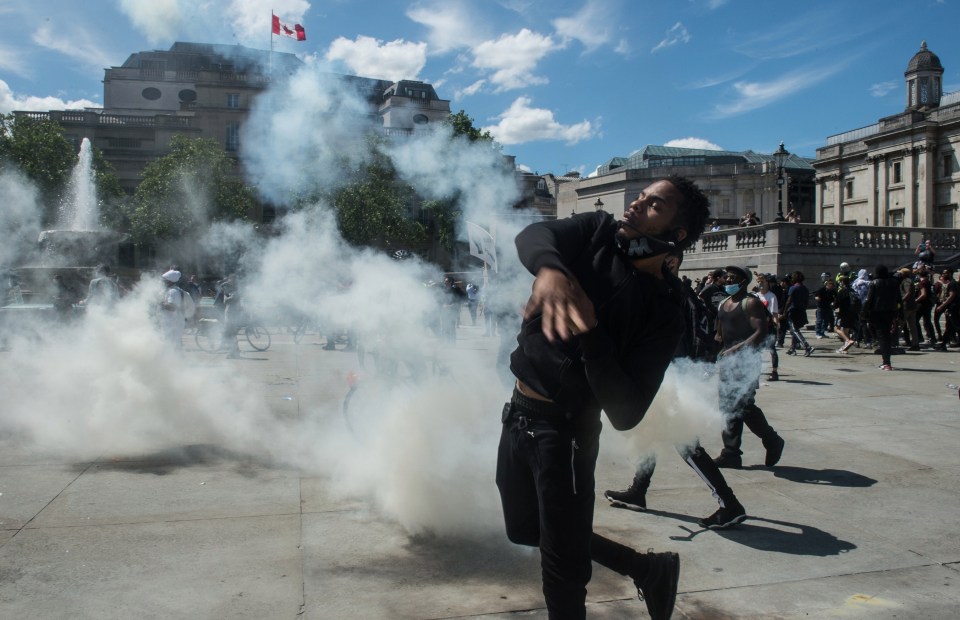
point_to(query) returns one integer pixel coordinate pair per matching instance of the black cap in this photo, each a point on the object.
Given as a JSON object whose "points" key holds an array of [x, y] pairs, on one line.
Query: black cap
{"points": [[740, 271]]}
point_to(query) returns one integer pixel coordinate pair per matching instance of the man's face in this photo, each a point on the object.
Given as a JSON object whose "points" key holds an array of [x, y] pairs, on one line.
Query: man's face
{"points": [[653, 212], [946, 275], [733, 278]]}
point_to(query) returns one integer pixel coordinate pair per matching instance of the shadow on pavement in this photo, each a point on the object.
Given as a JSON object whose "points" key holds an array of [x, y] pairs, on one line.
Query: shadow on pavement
{"points": [[792, 538], [167, 461], [828, 477]]}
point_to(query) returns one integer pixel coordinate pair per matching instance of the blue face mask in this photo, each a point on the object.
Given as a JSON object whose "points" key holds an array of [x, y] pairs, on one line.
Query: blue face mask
{"points": [[732, 289]]}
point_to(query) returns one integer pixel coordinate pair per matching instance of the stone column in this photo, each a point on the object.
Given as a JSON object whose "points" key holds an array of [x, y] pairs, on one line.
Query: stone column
{"points": [[928, 191], [910, 163]]}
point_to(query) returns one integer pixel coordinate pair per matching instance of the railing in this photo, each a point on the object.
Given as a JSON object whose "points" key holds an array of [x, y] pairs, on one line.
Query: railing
{"points": [[854, 134], [97, 118], [835, 236]]}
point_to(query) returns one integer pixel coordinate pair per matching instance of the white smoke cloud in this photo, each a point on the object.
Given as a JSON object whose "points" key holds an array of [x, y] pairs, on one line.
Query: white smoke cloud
{"points": [[19, 219]]}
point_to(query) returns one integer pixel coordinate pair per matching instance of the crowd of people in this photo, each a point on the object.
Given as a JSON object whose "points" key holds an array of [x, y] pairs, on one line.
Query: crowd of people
{"points": [[910, 308]]}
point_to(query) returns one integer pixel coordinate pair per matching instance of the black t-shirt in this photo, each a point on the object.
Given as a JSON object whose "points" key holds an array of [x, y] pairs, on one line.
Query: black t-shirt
{"points": [[825, 297]]}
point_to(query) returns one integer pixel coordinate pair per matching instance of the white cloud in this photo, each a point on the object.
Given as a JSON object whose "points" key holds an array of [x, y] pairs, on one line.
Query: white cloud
{"points": [[755, 95], [521, 123], [593, 25], [469, 90], [10, 101], [74, 42], [368, 57], [163, 21], [882, 88], [451, 25], [13, 60], [677, 34], [694, 143], [513, 58]]}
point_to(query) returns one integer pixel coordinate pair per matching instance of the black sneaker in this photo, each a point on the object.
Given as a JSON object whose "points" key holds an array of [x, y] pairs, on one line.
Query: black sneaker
{"points": [[634, 498], [774, 451], [657, 587], [724, 517], [774, 376], [728, 461], [808, 351], [791, 351]]}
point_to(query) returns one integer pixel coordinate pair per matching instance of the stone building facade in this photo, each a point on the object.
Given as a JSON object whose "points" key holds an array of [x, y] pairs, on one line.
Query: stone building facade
{"points": [[206, 91], [901, 171], [736, 182]]}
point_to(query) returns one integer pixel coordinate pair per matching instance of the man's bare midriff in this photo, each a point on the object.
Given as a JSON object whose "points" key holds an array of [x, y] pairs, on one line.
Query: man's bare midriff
{"points": [[527, 391]]}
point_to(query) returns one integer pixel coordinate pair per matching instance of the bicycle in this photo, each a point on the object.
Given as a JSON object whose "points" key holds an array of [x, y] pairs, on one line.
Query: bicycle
{"points": [[209, 335]]}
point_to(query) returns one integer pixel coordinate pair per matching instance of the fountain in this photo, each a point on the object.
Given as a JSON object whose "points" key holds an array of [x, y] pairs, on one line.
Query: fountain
{"points": [[76, 247]]}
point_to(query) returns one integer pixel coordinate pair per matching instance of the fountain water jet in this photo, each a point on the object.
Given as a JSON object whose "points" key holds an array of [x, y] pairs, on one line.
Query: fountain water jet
{"points": [[81, 211]]}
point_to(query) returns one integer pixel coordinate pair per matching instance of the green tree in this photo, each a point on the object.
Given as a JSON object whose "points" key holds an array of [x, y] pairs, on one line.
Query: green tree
{"points": [[462, 125], [377, 208], [186, 189], [38, 149]]}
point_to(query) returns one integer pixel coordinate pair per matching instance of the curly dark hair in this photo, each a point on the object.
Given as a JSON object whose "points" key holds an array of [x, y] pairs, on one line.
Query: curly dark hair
{"points": [[694, 212]]}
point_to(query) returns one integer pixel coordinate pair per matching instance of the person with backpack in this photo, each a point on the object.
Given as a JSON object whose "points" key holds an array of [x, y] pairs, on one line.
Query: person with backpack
{"points": [[742, 326], [795, 314], [693, 345]]}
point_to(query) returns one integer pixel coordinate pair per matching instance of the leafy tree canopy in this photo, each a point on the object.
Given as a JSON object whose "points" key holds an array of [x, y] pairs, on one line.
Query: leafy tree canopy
{"points": [[462, 125], [39, 150], [187, 188]]}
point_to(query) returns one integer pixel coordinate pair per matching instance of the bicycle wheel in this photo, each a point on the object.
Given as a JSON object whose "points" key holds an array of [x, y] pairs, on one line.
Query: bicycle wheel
{"points": [[258, 337], [208, 336]]}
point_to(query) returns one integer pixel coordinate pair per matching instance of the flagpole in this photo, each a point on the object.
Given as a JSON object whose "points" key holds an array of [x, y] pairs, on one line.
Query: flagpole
{"points": [[270, 56]]}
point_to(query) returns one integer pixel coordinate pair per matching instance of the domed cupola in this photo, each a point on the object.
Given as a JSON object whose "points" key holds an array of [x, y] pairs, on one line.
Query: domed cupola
{"points": [[923, 76]]}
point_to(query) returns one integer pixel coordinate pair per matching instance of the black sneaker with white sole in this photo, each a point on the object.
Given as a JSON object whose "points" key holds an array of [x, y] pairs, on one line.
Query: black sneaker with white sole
{"points": [[634, 498], [725, 516]]}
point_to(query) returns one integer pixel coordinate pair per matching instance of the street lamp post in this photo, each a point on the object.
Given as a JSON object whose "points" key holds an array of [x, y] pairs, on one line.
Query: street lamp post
{"points": [[598, 205], [780, 157]]}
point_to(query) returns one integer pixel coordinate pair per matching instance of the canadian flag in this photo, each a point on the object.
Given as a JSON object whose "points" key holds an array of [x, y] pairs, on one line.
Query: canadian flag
{"points": [[297, 32]]}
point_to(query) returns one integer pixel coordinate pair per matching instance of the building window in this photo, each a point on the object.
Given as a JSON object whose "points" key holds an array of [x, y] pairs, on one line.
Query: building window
{"points": [[188, 95], [896, 218], [897, 172], [945, 217], [233, 136], [420, 119], [233, 100], [150, 93], [913, 93], [849, 188], [948, 164], [725, 205]]}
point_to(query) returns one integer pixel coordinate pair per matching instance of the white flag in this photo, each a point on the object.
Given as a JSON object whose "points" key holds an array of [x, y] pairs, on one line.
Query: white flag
{"points": [[482, 245]]}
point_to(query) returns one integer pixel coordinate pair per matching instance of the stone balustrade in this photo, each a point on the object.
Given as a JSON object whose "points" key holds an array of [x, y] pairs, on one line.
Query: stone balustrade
{"points": [[781, 247]]}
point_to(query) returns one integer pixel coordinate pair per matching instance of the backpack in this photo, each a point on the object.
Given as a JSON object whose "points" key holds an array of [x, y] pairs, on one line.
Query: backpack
{"points": [[189, 306]]}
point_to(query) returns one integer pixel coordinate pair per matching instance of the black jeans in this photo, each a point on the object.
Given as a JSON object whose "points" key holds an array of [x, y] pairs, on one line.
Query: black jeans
{"points": [[700, 462]]}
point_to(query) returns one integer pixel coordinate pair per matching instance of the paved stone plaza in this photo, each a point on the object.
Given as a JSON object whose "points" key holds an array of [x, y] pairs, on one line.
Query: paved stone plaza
{"points": [[858, 521]]}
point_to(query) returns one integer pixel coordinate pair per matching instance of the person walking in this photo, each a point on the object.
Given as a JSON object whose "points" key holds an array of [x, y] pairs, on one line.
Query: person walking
{"points": [[691, 347], [847, 306], [883, 299], [795, 314], [742, 326], [599, 330], [948, 308], [770, 300]]}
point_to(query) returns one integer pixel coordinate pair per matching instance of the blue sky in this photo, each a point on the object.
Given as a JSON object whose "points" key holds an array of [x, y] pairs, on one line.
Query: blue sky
{"points": [[562, 84]]}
